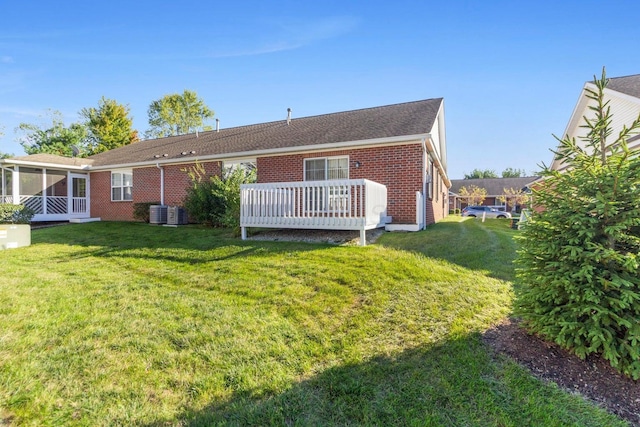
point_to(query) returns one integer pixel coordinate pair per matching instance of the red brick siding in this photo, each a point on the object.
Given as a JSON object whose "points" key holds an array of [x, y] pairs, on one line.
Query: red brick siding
{"points": [[101, 204], [438, 206], [397, 167], [146, 188]]}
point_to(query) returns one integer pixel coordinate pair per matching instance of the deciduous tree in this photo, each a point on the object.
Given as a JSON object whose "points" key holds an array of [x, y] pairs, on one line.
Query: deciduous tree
{"points": [[109, 126], [512, 197], [177, 114], [513, 173], [473, 195], [57, 139], [479, 173]]}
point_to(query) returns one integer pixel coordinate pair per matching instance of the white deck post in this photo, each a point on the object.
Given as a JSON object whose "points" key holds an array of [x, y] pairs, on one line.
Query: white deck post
{"points": [[363, 237], [243, 232]]}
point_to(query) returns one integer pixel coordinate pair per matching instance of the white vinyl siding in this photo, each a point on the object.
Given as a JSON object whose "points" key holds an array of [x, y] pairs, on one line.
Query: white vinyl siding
{"points": [[121, 186]]}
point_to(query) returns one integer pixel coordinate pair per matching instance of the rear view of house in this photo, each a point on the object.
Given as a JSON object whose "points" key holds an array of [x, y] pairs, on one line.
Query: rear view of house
{"points": [[374, 167]]}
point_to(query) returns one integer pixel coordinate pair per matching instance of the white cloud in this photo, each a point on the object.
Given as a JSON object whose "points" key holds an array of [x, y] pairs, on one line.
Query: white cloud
{"points": [[293, 35]]}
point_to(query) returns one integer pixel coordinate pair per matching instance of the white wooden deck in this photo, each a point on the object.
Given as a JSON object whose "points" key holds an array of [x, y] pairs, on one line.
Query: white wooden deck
{"points": [[355, 204]]}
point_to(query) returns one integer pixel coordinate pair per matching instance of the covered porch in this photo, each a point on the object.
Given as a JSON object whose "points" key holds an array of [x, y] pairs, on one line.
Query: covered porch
{"points": [[54, 194], [355, 204]]}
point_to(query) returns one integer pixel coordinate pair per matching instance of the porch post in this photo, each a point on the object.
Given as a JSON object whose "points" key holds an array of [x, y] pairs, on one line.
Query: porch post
{"points": [[69, 193], [363, 237], [44, 191], [15, 184]]}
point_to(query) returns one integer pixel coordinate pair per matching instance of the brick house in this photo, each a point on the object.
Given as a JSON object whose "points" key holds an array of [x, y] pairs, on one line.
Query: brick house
{"points": [[495, 188], [400, 150]]}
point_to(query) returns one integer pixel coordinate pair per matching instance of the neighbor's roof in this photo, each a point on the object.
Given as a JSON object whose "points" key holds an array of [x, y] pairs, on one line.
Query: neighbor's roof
{"points": [[494, 186], [629, 85], [411, 118]]}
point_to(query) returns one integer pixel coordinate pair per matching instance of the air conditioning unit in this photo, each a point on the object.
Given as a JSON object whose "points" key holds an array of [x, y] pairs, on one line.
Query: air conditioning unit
{"points": [[176, 216], [157, 214]]}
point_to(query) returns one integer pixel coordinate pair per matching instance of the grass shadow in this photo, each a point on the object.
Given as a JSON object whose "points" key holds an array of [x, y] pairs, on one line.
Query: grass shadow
{"points": [[187, 244], [454, 383]]}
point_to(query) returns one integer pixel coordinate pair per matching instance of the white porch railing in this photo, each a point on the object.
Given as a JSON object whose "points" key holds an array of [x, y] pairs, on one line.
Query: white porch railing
{"points": [[356, 204], [79, 205], [56, 206]]}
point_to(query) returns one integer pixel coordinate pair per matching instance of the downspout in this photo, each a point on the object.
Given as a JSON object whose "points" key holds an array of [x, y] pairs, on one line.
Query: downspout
{"points": [[4, 185], [161, 183], [424, 182]]}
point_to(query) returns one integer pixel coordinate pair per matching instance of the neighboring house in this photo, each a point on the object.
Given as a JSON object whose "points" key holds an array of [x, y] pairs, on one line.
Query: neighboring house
{"points": [[385, 162], [623, 96], [495, 188]]}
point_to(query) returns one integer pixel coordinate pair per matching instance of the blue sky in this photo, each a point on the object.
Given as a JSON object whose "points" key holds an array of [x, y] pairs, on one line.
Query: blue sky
{"points": [[510, 71]]}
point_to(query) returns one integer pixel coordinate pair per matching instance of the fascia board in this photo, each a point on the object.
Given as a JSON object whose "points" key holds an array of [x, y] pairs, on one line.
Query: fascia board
{"points": [[8, 162]]}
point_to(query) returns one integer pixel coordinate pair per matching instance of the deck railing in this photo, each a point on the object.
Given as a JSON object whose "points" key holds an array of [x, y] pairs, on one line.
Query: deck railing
{"points": [[356, 204], [55, 205]]}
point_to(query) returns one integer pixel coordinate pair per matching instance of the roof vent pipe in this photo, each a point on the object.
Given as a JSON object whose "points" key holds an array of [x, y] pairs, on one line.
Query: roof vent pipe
{"points": [[217, 125], [288, 116]]}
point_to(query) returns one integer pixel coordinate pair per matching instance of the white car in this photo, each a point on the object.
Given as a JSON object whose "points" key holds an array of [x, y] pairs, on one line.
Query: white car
{"points": [[487, 211]]}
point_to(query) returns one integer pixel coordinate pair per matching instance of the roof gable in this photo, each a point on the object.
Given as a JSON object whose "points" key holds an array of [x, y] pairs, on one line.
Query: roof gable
{"points": [[411, 118]]}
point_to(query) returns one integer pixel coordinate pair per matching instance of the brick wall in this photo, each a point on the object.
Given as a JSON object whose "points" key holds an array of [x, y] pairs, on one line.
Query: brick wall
{"points": [[397, 167], [146, 188], [438, 206]]}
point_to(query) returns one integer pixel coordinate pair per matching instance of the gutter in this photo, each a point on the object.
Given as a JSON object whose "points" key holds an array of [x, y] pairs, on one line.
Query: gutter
{"points": [[8, 162], [428, 146], [273, 151]]}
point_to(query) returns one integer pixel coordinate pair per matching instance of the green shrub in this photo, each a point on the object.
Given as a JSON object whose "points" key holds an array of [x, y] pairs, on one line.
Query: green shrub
{"points": [[141, 210], [216, 201], [578, 263], [15, 214]]}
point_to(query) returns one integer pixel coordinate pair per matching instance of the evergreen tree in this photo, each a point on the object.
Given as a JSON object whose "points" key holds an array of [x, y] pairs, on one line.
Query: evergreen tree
{"points": [[579, 259]]}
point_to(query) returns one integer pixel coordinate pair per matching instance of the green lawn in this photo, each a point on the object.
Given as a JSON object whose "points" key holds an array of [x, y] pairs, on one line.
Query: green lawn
{"points": [[131, 324]]}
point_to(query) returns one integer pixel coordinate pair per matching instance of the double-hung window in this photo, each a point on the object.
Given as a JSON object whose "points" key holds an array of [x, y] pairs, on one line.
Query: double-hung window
{"points": [[326, 168], [121, 186], [327, 197]]}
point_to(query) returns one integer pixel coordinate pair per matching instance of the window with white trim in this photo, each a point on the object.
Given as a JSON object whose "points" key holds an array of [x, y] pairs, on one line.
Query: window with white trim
{"points": [[326, 168], [121, 186]]}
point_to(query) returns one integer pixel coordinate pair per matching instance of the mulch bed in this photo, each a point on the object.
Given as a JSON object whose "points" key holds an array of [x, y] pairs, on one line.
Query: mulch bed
{"points": [[593, 377]]}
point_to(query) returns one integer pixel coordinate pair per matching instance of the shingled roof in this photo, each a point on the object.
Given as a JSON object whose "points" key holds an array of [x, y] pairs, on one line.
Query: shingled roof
{"points": [[52, 159], [411, 118], [629, 85], [494, 186]]}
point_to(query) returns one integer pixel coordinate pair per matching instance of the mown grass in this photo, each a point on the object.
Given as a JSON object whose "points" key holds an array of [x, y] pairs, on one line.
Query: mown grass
{"points": [[131, 324]]}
